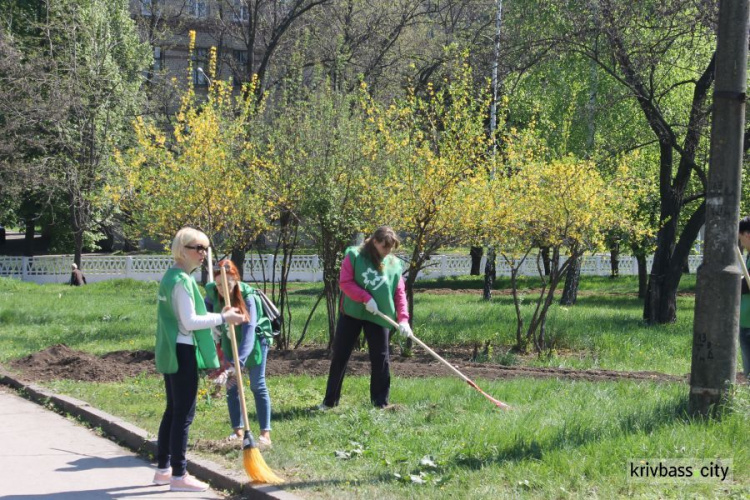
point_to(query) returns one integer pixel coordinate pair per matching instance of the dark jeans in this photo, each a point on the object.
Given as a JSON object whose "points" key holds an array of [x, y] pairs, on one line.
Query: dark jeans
{"points": [[347, 333], [182, 393]]}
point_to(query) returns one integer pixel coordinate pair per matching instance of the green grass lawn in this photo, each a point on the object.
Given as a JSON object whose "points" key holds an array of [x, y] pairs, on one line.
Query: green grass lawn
{"points": [[563, 439]]}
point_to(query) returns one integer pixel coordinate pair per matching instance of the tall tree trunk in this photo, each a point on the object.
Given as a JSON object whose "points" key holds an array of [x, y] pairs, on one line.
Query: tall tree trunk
{"points": [[614, 259], [545, 259], [329, 253], [76, 226], [288, 239], [661, 294], [521, 345], [238, 258], [642, 275], [28, 238], [476, 260], [489, 273], [78, 247], [331, 289], [572, 278]]}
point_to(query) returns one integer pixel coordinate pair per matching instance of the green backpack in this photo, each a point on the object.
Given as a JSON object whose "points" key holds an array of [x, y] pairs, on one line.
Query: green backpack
{"points": [[264, 327]]}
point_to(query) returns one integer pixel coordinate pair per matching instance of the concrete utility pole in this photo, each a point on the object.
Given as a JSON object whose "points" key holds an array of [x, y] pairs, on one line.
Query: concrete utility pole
{"points": [[718, 287]]}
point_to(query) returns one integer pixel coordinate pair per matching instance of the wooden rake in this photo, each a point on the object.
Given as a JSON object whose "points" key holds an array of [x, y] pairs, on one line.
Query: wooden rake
{"points": [[435, 355]]}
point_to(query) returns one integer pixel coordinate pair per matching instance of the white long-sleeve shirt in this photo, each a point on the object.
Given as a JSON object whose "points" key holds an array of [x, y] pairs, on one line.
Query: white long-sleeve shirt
{"points": [[187, 319]]}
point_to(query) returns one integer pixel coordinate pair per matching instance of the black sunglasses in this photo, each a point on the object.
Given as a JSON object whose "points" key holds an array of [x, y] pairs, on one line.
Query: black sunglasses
{"points": [[199, 248]]}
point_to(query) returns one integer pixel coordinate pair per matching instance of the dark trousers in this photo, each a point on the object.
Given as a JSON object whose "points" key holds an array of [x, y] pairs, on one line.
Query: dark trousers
{"points": [[347, 333], [182, 393]]}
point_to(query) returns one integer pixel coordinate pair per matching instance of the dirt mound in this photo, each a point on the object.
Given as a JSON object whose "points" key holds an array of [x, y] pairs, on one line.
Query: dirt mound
{"points": [[62, 362], [534, 292], [316, 362]]}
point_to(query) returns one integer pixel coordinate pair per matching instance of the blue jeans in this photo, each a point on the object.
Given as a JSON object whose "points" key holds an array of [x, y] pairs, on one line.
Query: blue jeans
{"points": [[745, 349], [260, 391]]}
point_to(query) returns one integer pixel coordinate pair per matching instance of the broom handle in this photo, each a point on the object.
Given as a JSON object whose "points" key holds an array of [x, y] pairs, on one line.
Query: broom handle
{"points": [[426, 348], [210, 260], [742, 265], [235, 353]]}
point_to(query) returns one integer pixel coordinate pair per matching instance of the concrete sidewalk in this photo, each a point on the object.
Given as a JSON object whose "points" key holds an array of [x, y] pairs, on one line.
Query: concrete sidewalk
{"points": [[44, 455]]}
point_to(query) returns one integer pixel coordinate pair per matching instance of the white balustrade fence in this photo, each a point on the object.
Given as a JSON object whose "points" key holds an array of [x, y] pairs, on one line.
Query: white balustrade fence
{"points": [[56, 268]]}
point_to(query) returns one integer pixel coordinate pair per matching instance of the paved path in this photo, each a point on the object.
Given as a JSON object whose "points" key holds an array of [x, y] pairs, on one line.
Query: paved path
{"points": [[44, 455]]}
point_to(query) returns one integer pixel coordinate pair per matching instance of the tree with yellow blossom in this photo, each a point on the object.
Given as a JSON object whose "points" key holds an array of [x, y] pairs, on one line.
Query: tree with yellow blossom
{"points": [[203, 172], [425, 147], [561, 203]]}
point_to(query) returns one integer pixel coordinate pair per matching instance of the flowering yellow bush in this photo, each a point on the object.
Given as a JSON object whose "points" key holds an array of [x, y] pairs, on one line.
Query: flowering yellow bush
{"points": [[204, 173]]}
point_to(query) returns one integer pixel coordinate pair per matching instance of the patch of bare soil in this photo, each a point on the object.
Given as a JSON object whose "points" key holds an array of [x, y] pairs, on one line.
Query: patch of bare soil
{"points": [[527, 291], [62, 362], [220, 447], [524, 291], [316, 362]]}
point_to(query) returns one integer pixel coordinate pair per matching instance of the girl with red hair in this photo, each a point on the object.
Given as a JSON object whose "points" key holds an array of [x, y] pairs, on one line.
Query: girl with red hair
{"points": [[252, 350]]}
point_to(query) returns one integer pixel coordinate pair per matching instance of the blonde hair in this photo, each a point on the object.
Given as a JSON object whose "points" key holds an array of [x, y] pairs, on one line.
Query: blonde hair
{"points": [[187, 236]]}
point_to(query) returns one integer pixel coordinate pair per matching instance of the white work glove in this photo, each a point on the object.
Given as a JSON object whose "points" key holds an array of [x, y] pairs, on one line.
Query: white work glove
{"points": [[225, 376], [371, 306], [405, 330], [231, 378]]}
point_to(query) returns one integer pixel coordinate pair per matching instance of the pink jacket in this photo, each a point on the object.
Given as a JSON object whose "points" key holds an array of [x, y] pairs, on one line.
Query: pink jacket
{"points": [[357, 294]]}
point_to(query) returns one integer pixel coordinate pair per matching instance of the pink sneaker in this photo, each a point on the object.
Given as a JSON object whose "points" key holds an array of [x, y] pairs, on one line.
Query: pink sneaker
{"points": [[162, 476], [264, 443], [187, 483]]}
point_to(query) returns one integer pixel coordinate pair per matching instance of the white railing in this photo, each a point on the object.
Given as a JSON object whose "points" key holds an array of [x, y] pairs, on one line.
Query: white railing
{"points": [[56, 268]]}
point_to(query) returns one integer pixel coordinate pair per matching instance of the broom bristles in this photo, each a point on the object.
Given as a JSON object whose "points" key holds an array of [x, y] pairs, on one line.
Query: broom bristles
{"points": [[257, 469]]}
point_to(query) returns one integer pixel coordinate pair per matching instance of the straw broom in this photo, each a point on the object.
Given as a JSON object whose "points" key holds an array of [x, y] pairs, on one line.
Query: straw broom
{"points": [[255, 467]]}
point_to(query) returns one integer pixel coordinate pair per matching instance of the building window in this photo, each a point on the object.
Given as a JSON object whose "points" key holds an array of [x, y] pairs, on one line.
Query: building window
{"points": [[198, 8], [146, 7], [240, 56], [158, 61], [200, 58], [241, 10]]}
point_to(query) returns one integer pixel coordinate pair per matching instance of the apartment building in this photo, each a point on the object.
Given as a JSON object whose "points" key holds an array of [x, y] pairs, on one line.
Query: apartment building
{"points": [[223, 24]]}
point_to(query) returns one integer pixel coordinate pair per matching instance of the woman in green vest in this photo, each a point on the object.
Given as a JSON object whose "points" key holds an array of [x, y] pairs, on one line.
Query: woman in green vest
{"points": [[183, 337], [370, 281], [252, 350]]}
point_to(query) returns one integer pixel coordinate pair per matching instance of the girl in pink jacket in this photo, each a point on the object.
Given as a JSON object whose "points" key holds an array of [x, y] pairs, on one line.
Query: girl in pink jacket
{"points": [[371, 281]]}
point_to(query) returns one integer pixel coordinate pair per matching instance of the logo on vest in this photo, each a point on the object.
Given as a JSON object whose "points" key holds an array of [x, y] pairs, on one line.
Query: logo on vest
{"points": [[373, 279]]}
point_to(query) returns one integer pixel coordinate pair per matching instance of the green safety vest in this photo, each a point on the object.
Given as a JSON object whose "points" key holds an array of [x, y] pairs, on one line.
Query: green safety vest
{"points": [[381, 284], [167, 329]]}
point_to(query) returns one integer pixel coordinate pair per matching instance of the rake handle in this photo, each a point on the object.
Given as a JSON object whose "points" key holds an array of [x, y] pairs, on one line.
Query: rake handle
{"points": [[235, 352], [427, 348]]}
